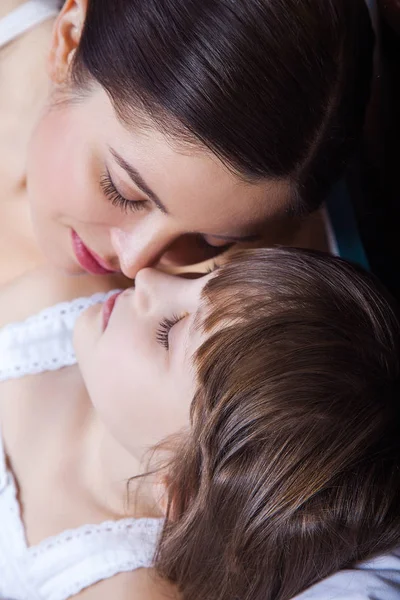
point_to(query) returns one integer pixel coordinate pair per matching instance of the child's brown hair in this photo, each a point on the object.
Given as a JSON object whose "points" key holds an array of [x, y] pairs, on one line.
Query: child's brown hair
{"points": [[292, 468]]}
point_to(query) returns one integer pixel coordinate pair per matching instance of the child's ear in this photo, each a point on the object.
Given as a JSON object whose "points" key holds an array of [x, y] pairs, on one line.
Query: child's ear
{"points": [[65, 39]]}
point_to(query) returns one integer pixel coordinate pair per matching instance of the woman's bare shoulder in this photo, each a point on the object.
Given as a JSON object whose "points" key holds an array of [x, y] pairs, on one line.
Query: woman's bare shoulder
{"points": [[46, 286], [9, 5], [141, 584]]}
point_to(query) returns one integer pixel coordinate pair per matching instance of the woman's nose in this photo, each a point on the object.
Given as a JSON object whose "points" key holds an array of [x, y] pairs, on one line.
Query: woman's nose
{"points": [[154, 241], [139, 248]]}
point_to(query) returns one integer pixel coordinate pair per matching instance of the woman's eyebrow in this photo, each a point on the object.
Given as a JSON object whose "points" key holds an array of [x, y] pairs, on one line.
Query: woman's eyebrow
{"points": [[138, 180], [140, 183], [234, 238]]}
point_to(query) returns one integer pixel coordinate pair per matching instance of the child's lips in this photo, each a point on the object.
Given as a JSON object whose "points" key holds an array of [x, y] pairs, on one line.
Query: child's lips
{"points": [[108, 307]]}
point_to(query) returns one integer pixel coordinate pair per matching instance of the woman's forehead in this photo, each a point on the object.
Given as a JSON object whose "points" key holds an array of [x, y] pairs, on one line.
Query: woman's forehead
{"points": [[195, 187]]}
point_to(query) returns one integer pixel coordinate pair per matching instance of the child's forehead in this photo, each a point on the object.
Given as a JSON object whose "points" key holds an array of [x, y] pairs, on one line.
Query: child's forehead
{"points": [[198, 318], [198, 329]]}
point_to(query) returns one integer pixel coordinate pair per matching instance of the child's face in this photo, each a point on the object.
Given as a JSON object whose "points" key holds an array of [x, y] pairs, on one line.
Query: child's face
{"points": [[141, 388]]}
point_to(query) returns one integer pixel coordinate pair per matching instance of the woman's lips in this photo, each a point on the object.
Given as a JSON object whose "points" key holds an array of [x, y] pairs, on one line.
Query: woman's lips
{"points": [[108, 307], [87, 259]]}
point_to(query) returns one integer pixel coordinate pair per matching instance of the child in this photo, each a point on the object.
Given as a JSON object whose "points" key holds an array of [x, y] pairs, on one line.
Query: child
{"points": [[237, 435]]}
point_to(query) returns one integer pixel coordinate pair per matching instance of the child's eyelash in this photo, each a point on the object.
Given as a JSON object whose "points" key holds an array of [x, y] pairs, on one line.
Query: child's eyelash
{"points": [[111, 192], [163, 330]]}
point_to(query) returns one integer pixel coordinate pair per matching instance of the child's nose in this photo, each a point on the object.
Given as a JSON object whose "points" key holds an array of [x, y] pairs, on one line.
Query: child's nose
{"points": [[159, 293], [153, 290]]}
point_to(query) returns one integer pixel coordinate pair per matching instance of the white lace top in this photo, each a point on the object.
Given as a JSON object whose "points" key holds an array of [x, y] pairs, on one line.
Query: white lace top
{"points": [[60, 566]]}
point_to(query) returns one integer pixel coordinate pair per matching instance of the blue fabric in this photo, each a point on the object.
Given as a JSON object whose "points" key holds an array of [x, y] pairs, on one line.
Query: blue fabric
{"points": [[340, 210], [344, 225]]}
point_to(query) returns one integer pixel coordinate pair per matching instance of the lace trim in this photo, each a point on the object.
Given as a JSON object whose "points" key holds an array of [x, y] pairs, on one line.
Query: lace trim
{"points": [[100, 551], [86, 581], [147, 526], [43, 342]]}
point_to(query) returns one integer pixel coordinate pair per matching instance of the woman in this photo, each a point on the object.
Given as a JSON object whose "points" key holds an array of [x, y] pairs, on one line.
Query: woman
{"points": [[210, 128]]}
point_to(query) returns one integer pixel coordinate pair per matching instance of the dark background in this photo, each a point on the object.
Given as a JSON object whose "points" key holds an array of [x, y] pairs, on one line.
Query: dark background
{"points": [[374, 179]]}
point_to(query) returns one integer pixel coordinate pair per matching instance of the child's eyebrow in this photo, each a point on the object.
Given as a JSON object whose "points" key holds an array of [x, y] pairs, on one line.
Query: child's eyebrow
{"points": [[197, 321]]}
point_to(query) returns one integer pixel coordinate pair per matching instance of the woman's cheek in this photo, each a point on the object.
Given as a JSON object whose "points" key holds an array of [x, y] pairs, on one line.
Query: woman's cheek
{"points": [[58, 165]]}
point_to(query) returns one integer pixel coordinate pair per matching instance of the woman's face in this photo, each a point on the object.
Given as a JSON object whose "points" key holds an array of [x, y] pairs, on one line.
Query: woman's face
{"points": [[136, 360], [106, 196]]}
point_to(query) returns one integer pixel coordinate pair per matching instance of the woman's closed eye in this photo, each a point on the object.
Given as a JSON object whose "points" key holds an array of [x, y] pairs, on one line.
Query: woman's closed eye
{"points": [[211, 267], [219, 245], [116, 198], [162, 333]]}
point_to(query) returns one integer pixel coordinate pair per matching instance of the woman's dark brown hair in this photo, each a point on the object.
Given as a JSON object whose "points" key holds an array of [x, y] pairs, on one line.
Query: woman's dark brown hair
{"points": [[292, 467], [276, 88]]}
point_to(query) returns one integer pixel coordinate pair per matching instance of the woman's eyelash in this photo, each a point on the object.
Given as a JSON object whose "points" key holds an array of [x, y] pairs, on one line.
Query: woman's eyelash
{"points": [[111, 192], [212, 267], [163, 330]]}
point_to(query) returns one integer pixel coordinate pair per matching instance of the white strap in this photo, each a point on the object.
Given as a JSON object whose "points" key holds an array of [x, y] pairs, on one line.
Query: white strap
{"points": [[25, 17], [3, 467]]}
